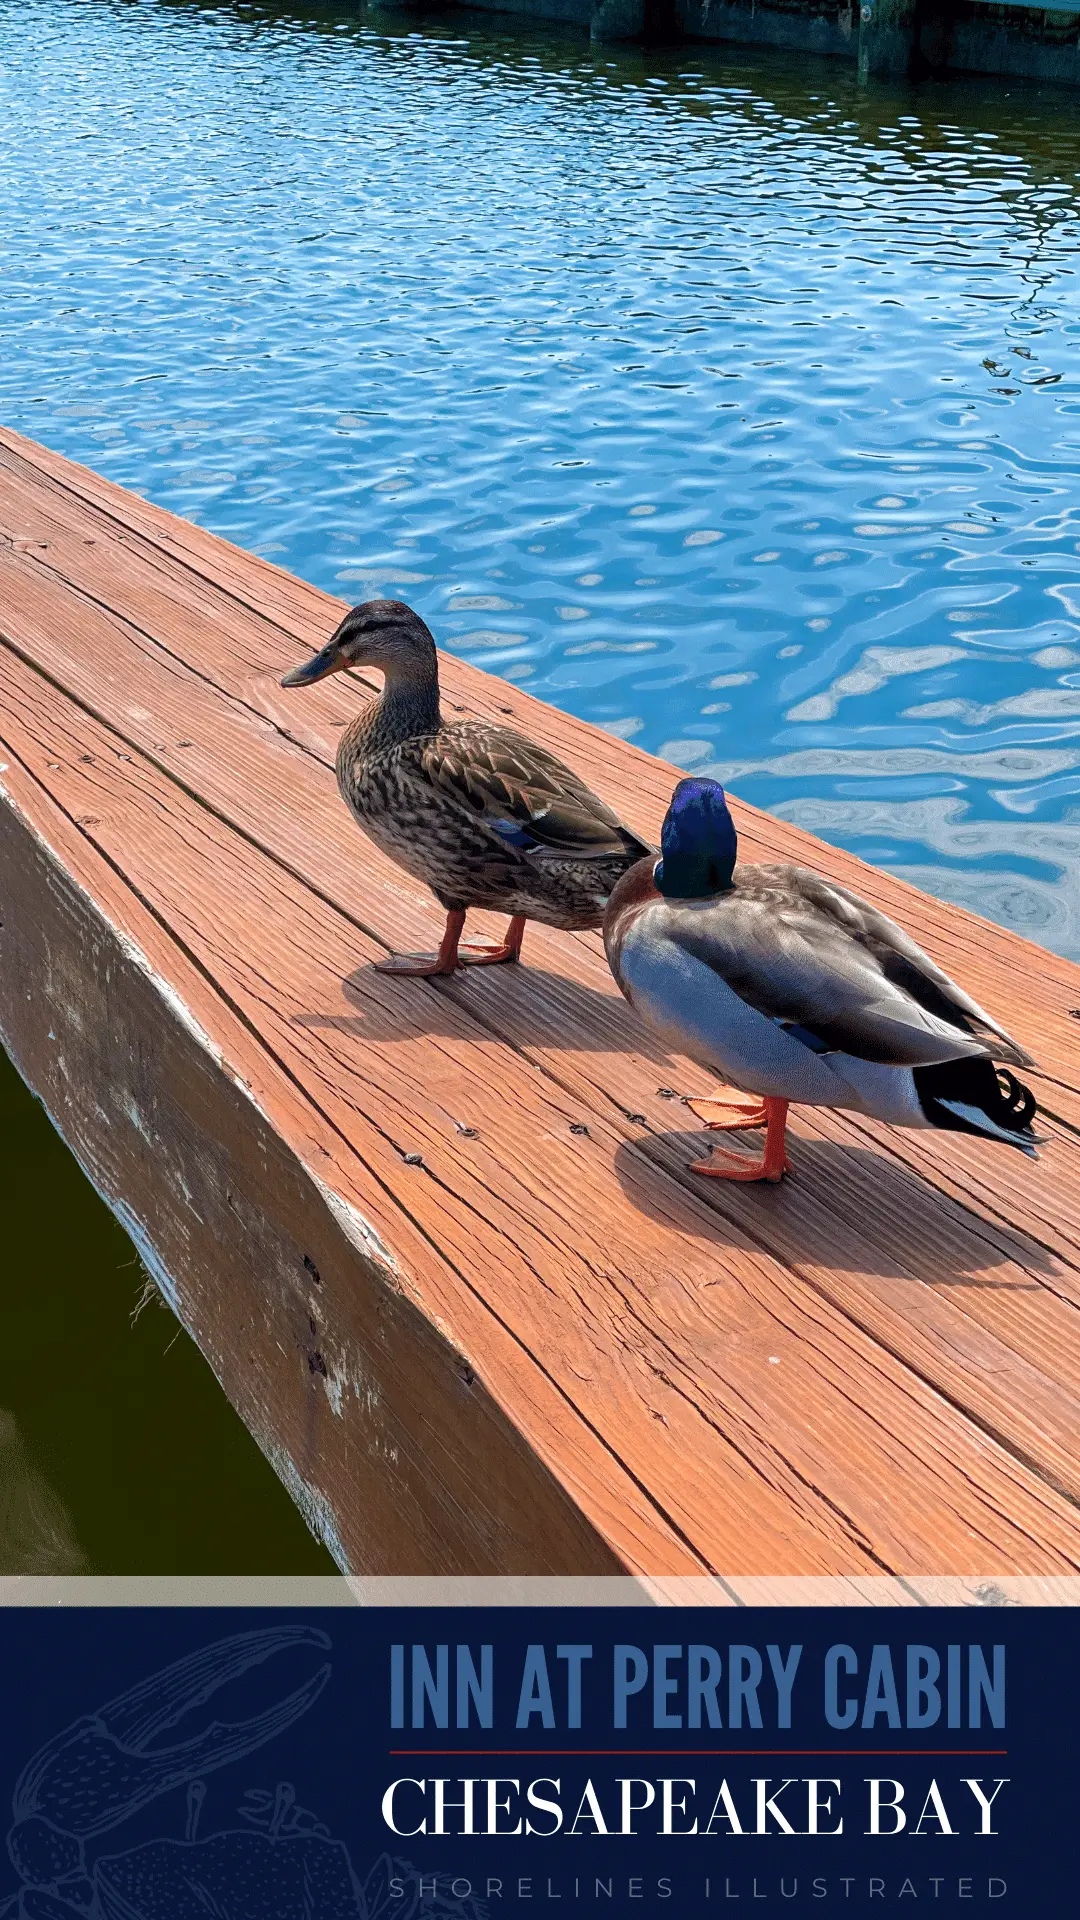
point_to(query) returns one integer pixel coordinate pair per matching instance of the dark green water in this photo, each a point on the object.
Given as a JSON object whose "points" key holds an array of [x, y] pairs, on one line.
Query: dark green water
{"points": [[119, 1453]]}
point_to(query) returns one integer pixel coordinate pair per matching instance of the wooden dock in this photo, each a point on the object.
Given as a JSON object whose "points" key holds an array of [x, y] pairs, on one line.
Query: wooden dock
{"points": [[543, 1347], [892, 39]]}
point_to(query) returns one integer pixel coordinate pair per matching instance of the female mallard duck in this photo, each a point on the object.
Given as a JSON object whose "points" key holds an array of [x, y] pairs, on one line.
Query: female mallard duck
{"points": [[483, 816], [794, 989]]}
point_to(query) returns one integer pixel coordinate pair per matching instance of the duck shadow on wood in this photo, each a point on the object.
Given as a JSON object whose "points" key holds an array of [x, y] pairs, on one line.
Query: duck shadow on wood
{"points": [[847, 1208], [527, 1005]]}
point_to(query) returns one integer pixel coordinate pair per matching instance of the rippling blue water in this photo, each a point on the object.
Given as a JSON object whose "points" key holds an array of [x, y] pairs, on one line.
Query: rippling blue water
{"points": [[734, 408]]}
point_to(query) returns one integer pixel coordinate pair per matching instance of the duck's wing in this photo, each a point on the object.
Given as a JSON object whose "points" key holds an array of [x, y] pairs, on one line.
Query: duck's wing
{"points": [[904, 963], [528, 798], [809, 964]]}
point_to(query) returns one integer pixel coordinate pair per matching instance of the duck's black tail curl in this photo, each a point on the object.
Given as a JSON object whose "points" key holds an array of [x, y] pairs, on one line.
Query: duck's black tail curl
{"points": [[975, 1096]]}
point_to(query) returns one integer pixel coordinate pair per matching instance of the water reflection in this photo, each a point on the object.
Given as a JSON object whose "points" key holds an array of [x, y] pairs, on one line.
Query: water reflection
{"points": [[35, 1529], [728, 404]]}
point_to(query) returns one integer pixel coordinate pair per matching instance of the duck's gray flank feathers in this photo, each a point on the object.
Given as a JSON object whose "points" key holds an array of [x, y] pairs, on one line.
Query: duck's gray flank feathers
{"points": [[808, 954]]}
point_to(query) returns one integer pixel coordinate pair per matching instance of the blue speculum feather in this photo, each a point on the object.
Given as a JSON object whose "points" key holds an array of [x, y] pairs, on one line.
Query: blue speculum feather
{"points": [[698, 843], [514, 835]]}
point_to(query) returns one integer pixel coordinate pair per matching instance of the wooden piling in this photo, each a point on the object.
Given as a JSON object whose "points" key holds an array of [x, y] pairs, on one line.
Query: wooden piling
{"points": [[888, 38]]}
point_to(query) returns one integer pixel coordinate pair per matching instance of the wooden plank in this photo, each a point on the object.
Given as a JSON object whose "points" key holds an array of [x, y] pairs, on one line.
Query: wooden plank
{"points": [[489, 1208], [292, 793], [169, 1117], [876, 1368]]}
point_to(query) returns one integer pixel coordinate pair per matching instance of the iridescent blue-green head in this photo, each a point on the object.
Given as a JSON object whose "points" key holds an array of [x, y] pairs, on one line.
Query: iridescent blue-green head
{"points": [[698, 843]]}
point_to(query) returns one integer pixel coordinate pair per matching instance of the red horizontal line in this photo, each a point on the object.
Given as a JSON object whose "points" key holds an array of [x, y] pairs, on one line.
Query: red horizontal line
{"points": [[697, 1753]]}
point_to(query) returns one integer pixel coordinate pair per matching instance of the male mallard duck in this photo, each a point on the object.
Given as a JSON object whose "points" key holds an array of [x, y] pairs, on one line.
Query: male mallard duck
{"points": [[794, 989], [483, 816]]}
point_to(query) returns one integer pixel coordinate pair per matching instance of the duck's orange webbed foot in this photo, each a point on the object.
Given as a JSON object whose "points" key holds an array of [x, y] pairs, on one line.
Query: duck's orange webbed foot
{"points": [[419, 966], [426, 966], [774, 1162], [484, 953], [729, 1111]]}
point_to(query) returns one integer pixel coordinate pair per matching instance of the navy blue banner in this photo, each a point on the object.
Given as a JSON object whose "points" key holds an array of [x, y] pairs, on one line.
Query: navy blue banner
{"points": [[375, 1764]]}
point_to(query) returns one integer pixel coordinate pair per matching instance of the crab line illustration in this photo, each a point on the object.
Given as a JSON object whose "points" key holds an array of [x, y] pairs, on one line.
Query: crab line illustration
{"points": [[280, 1863]]}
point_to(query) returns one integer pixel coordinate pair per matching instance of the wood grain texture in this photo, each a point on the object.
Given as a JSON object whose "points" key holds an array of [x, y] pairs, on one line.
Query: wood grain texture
{"points": [[547, 1347]]}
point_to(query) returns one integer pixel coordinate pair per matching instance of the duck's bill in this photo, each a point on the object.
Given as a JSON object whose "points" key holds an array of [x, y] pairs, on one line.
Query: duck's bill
{"points": [[328, 661]]}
